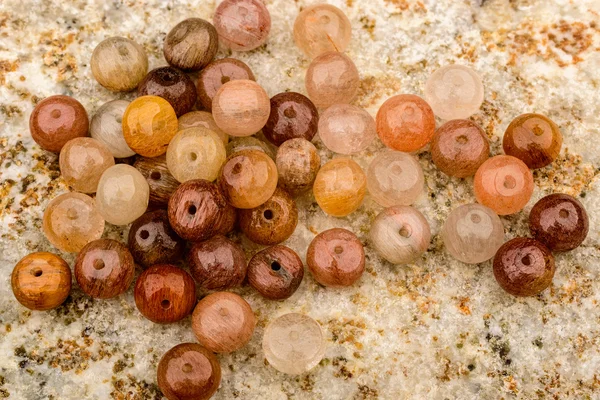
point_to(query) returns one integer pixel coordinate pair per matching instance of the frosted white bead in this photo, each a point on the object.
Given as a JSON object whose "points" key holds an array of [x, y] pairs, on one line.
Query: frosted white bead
{"points": [[395, 178]]}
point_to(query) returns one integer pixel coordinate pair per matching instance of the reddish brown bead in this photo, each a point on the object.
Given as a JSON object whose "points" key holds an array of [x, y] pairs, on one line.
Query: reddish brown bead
{"points": [[275, 272], [153, 241], [293, 115], [217, 263], [216, 74], [226, 220], [172, 85], [162, 184]]}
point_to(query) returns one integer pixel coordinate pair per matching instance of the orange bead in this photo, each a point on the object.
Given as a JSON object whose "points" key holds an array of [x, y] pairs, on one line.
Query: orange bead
{"points": [[340, 187], [534, 139]]}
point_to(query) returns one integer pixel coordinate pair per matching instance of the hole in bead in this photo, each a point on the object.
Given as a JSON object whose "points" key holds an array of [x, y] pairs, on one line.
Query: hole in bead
{"points": [[193, 156], [462, 139], [294, 335], [275, 266], [475, 218], [187, 368], [192, 209], [123, 51], [225, 79], [119, 119], [268, 214], [396, 169], [168, 77], [526, 260], [155, 175], [409, 111], [563, 214], [55, 114], [537, 131], [223, 312], [338, 249], [144, 234], [324, 19], [237, 168], [289, 112], [37, 272], [72, 214], [99, 264], [165, 304], [510, 182], [404, 231], [242, 12]]}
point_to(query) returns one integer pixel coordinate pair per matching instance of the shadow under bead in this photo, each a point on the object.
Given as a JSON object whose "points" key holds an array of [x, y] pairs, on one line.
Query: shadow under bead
{"points": [[217, 263], [162, 184], [172, 85], [276, 272], [153, 241], [191, 44], [292, 116], [218, 73]]}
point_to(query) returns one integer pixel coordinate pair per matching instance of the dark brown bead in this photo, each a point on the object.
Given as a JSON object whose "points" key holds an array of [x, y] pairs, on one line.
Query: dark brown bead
{"points": [[172, 85], [336, 258], [292, 116], [216, 74], [226, 220], [275, 272], [153, 241], [559, 221], [191, 44], [524, 267], [56, 120], [104, 269], [162, 183], [164, 293], [188, 372], [217, 263]]}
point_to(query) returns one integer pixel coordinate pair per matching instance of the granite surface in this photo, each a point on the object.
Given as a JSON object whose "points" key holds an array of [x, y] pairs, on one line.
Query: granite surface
{"points": [[435, 329]]}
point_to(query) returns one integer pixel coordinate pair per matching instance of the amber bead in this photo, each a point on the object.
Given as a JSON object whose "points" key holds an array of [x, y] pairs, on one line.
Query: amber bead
{"points": [[191, 44], [340, 187], [217, 263], [336, 258], [559, 221], [160, 181], [104, 268], [275, 272], [331, 78], [459, 147], [249, 143], [82, 162], [188, 372], [153, 241], [242, 25], [534, 139], [56, 120], [321, 28], [223, 322], [293, 115], [202, 119], [107, 127], [172, 85], [218, 73], [524, 267], [119, 64], [41, 281]]}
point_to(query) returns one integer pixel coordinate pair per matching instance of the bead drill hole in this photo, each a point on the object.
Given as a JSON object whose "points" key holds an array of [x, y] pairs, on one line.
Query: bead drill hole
{"points": [[396, 170], [55, 114], [119, 120], [223, 312], [475, 218], [99, 264], [193, 156], [144, 234], [187, 368], [338, 249], [405, 232], [165, 304], [526, 260], [563, 214], [155, 175], [37, 272], [289, 112], [324, 19], [510, 182], [537, 131], [275, 266], [294, 335], [123, 51], [192, 209], [462, 139], [225, 79], [237, 168], [243, 11], [268, 214], [72, 214]]}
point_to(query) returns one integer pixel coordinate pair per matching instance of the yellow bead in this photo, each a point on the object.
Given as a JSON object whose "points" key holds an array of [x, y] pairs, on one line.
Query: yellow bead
{"points": [[340, 187]]}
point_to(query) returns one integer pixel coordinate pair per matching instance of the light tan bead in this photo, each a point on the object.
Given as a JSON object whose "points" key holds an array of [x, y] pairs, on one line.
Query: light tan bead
{"points": [[82, 162], [332, 78], [202, 119], [107, 127], [119, 64], [340, 187], [321, 28], [122, 195]]}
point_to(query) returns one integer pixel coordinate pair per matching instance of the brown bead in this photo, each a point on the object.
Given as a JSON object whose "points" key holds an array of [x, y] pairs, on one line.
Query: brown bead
{"points": [[191, 44], [216, 74], [293, 115], [217, 263], [164, 293], [153, 241], [223, 322], [336, 258], [559, 221], [41, 281], [56, 120], [298, 163], [104, 269], [162, 184], [226, 220], [172, 85], [275, 272], [188, 372], [524, 267]]}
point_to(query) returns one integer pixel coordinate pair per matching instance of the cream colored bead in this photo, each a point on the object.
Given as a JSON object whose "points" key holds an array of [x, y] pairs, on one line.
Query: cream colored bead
{"points": [[119, 64], [122, 195], [107, 127]]}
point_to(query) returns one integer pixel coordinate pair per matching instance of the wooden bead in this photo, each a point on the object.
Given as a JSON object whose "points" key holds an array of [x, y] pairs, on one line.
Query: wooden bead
{"points": [[216, 74], [321, 28], [82, 162], [249, 143], [41, 281], [107, 127], [191, 44], [122, 194], [152, 240], [332, 78], [340, 187], [223, 322], [217, 263], [160, 181], [298, 163], [275, 272], [119, 64], [346, 129], [243, 25], [293, 115], [202, 119], [172, 85]]}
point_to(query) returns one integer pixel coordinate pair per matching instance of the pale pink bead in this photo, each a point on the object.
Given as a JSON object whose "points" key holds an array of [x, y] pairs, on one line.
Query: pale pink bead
{"points": [[395, 178], [346, 129], [331, 78]]}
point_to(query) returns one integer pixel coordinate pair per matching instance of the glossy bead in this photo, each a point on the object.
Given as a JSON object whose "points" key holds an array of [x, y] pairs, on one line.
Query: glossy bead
{"points": [[191, 44], [223, 322], [293, 115], [164, 293], [395, 179], [216, 74], [340, 187], [472, 233], [336, 258], [172, 85], [217, 263], [82, 162], [241, 107], [202, 119], [71, 221], [275, 272], [559, 221], [297, 164], [188, 372], [41, 281], [524, 267], [293, 343], [152, 240], [119, 64], [122, 195], [249, 143], [454, 92], [331, 78], [321, 28], [534, 139], [346, 129], [400, 234], [104, 269], [504, 184], [56, 120], [107, 127], [160, 181], [405, 123], [242, 25]]}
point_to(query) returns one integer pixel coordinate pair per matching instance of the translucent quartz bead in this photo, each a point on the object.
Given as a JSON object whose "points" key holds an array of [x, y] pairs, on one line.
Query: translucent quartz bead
{"points": [[82, 161], [340, 187], [321, 28], [71, 221], [249, 143], [216, 74], [242, 25], [195, 153], [119, 64], [122, 195], [395, 178], [297, 164], [293, 343], [107, 127], [473, 233], [400, 234], [454, 92], [202, 119], [346, 129], [331, 78]]}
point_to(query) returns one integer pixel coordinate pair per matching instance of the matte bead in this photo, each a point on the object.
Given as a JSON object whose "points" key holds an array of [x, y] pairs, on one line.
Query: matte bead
{"points": [[119, 64], [191, 44], [332, 78], [346, 129], [152, 240], [298, 163], [321, 28], [395, 179], [275, 272], [249, 143], [202, 119], [242, 25], [217, 263], [107, 127], [172, 85], [160, 181], [293, 115], [216, 74], [82, 162], [241, 107], [122, 195], [41, 281], [340, 187]]}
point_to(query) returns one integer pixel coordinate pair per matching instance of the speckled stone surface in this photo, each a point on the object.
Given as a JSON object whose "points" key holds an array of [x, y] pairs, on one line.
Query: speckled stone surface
{"points": [[435, 329]]}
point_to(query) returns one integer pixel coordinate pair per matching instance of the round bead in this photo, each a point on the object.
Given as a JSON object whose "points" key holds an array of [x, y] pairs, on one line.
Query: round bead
{"points": [[405, 123], [340, 187], [152, 240], [275, 272], [56, 120], [149, 124], [331, 78], [71, 221], [346, 129], [293, 115], [242, 25], [559, 221], [395, 179], [400, 234], [504, 184], [297, 164], [164, 294], [249, 143], [119, 64], [454, 92], [82, 162], [336, 258], [160, 181], [202, 119], [122, 195], [217, 263], [188, 372], [216, 74], [534, 139], [293, 343], [41, 281], [191, 44], [223, 322], [104, 269], [172, 85], [524, 267], [321, 28], [472, 233], [107, 127], [241, 107]]}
